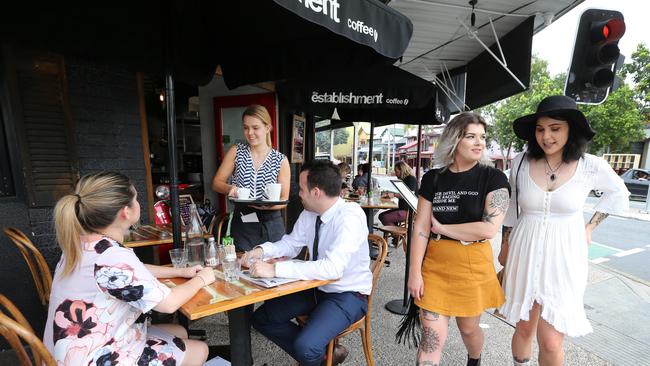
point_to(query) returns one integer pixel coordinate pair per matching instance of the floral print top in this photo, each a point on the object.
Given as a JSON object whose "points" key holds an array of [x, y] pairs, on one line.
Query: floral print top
{"points": [[95, 314]]}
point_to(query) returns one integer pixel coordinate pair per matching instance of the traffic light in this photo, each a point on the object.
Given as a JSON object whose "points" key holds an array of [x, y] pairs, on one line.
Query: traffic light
{"points": [[593, 65]]}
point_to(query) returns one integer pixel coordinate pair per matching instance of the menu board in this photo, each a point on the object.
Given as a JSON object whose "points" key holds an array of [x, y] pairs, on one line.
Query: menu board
{"points": [[406, 194], [185, 200]]}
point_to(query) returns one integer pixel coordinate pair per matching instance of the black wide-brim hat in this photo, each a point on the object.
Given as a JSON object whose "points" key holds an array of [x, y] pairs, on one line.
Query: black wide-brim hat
{"points": [[554, 106]]}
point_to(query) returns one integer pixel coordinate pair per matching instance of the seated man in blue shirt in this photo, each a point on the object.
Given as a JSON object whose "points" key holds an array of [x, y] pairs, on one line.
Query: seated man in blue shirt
{"points": [[336, 235]]}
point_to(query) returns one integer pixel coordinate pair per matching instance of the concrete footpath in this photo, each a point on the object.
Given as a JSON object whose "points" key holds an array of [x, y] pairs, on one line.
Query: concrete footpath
{"points": [[617, 305]]}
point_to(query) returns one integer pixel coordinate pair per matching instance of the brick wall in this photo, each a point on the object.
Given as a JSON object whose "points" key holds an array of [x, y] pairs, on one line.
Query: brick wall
{"points": [[104, 108]]}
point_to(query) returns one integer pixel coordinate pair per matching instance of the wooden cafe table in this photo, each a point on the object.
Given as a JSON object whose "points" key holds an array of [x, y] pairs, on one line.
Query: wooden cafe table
{"points": [[237, 300]]}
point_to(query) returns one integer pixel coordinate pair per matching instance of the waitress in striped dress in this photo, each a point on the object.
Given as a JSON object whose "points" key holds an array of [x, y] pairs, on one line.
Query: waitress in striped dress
{"points": [[253, 165]]}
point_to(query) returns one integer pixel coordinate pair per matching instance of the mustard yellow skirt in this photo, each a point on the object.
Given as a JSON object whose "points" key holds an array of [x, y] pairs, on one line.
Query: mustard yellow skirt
{"points": [[459, 280]]}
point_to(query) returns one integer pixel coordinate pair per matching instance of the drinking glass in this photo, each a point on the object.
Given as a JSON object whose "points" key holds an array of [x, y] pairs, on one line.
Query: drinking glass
{"points": [[231, 269], [178, 257]]}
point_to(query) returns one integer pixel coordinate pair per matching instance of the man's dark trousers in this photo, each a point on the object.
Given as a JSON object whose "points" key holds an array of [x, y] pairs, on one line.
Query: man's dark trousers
{"points": [[329, 314]]}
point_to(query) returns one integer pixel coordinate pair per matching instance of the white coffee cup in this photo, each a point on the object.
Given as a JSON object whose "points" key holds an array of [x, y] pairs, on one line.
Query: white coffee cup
{"points": [[243, 193], [273, 191]]}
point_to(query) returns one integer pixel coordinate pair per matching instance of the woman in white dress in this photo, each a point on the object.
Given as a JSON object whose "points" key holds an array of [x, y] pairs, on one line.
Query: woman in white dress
{"points": [[545, 239]]}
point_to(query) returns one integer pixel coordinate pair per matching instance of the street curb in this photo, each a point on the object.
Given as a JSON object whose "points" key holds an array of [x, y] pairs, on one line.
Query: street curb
{"points": [[620, 273], [638, 216]]}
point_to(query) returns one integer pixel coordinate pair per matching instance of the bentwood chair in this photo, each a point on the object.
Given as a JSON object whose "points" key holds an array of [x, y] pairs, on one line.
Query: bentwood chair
{"points": [[37, 265], [14, 327], [363, 324], [396, 232]]}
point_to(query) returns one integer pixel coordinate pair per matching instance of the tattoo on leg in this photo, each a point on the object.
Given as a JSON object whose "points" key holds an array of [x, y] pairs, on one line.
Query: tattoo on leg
{"points": [[430, 340], [430, 315], [521, 360], [425, 363]]}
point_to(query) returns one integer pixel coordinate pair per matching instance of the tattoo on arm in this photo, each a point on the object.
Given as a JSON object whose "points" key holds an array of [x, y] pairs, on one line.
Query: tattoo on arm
{"points": [[597, 218], [430, 340], [498, 204], [426, 236]]}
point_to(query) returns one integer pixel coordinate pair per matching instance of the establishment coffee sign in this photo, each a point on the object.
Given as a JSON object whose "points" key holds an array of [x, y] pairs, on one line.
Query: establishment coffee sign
{"points": [[342, 99], [360, 20], [331, 8]]}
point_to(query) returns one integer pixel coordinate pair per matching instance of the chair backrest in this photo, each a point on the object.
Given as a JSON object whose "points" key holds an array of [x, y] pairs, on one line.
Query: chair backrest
{"points": [[14, 327], [221, 229], [376, 267], [37, 265]]}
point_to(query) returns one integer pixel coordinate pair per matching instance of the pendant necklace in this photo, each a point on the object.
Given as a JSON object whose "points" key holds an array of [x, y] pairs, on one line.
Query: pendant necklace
{"points": [[550, 172]]}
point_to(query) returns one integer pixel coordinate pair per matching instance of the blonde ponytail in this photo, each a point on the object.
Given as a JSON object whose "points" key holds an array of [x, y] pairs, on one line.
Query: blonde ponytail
{"points": [[93, 207], [68, 232]]}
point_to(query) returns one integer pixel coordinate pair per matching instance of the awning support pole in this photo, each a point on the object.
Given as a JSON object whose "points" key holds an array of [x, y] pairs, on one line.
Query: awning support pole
{"points": [[472, 34]]}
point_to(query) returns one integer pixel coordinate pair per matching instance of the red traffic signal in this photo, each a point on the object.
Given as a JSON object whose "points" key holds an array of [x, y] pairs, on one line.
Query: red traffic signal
{"points": [[595, 54]]}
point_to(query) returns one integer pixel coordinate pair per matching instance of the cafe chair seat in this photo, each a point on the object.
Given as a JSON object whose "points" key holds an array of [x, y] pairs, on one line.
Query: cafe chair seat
{"points": [[397, 233], [363, 324], [14, 328], [37, 265]]}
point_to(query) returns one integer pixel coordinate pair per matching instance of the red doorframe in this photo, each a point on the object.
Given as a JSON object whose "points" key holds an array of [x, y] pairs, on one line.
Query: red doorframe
{"points": [[265, 99]]}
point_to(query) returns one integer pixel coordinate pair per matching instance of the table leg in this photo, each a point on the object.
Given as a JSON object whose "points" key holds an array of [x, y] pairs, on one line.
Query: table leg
{"points": [[239, 327]]}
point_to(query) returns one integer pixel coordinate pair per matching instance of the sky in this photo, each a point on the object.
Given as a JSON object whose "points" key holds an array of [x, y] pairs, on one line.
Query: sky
{"points": [[555, 42]]}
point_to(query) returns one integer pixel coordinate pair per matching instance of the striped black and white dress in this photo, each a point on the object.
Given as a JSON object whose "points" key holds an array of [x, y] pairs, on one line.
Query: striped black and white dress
{"points": [[270, 226], [246, 176]]}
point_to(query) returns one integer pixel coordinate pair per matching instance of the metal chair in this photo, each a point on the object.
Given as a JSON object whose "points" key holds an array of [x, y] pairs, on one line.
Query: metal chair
{"points": [[14, 327], [363, 324], [35, 261]]}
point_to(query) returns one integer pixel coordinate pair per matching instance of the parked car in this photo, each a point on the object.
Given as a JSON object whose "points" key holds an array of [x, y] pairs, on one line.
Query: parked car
{"points": [[637, 181]]}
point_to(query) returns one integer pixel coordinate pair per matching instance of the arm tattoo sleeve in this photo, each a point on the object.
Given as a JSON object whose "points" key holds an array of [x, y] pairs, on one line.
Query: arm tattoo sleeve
{"points": [[597, 218], [498, 205]]}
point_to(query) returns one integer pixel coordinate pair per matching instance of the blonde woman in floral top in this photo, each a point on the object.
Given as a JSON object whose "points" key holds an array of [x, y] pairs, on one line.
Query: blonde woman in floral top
{"points": [[101, 290]]}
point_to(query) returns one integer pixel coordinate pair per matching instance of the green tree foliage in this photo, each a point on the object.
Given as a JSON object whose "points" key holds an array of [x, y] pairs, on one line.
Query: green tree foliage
{"points": [[323, 141], [341, 136], [617, 122], [501, 114], [639, 71]]}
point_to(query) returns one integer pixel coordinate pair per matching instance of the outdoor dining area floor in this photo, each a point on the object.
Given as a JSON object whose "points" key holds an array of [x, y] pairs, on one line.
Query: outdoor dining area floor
{"points": [[498, 333]]}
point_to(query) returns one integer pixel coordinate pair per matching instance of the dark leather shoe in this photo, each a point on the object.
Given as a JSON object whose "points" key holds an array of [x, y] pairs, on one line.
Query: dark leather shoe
{"points": [[338, 356]]}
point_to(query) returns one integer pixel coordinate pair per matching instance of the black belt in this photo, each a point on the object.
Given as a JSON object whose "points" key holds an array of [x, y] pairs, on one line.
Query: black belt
{"points": [[438, 237]]}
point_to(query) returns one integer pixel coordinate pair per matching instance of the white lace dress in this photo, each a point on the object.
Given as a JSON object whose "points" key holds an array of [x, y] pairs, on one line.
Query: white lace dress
{"points": [[548, 254]]}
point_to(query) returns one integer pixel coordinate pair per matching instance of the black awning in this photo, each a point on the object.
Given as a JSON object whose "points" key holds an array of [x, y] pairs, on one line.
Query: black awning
{"points": [[487, 81], [252, 40], [382, 94], [367, 22], [265, 40]]}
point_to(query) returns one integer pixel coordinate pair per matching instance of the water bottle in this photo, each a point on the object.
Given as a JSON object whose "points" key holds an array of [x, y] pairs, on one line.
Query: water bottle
{"points": [[194, 243], [211, 255]]}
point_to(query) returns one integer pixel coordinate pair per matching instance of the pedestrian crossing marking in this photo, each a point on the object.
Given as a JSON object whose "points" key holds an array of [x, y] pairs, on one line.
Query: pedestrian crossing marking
{"points": [[628, 252], [597, 250], [599, 260]]}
